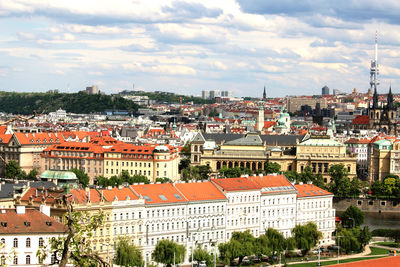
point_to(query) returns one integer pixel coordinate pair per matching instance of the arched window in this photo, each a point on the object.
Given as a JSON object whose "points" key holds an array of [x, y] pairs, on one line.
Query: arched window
{"points": [[41, 242], [15, 261], [3, 260], [3, 241], [28, 242], [15, 243], [28, 259]]}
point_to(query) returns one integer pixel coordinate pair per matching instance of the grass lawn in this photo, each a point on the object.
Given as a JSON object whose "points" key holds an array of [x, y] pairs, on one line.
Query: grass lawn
{"points": [[388, 244], [378, 251], [325, 263]]}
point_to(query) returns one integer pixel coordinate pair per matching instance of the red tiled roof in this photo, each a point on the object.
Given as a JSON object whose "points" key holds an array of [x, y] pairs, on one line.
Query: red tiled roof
{"points": [[3, 129], [310, 190], [381, 262], [361, 119], [235, 184], [159, 193], [39, 138], [76, 146], [270, 180], [118, 194], [200, 191], [82, 196], [357, 141], [32, 221], [39, 195], [5, 138]]}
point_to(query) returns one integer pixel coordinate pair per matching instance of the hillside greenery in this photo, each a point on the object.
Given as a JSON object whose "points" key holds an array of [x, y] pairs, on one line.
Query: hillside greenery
{"points": [[30, 103], [174, 98]]}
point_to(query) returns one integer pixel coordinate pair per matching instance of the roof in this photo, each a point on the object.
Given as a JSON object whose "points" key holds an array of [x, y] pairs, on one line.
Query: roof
{"points": [[200, 191], [82, 196], [310, 190], [320, 142], [38, 138], [159, 193], [39, 195], [5, 138], [115, 194], [235, 184], [273, 182], [65, 175], [247, 140], [32, 221], [381, 262], [361, 119]]}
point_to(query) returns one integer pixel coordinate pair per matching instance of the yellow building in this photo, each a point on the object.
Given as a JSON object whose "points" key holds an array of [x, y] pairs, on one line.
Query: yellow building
{"points": [[153, 161], [253, 151], [385, 159]]}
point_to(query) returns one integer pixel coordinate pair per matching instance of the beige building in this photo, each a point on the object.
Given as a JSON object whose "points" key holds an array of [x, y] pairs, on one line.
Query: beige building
{"points": [[295, 103], [385, 159], [253, 151]]}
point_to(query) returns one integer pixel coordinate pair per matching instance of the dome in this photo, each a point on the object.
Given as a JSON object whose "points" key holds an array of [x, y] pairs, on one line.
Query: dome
{"points": [[161, 149], [64, 175]]}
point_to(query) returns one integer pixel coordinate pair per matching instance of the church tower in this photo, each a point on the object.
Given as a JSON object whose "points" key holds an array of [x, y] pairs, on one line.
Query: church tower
{"points": [[264, 95]]}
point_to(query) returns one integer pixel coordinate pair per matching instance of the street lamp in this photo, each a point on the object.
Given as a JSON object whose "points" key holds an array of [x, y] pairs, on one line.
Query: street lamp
{"points": [[338, 248]]}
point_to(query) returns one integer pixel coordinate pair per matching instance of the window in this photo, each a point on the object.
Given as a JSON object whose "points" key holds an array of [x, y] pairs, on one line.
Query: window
{"points": [[3, 241], [28, 242], [40, 242], [28, 259], [15, 243], [15, 261], [3, 260], [53, 258]]}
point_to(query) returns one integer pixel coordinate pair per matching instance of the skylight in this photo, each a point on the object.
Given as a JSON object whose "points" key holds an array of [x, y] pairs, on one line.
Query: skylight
{"points": [[177, 196], [163, 197], [147, 198]]}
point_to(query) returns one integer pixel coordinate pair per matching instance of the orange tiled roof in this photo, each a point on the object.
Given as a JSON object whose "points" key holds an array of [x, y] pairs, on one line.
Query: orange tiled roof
{"points": [[33, 221], [159, 193], [3, 129], [361, 119], [5, 138], [270, 180], [76, 146], [235, 184], [310, 190], [200, 191], [38, 195], [39, 138], [82, 196], [118, 194]]}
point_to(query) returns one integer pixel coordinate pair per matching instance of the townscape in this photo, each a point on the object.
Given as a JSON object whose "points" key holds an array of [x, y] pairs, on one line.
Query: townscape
{"points": [[199, 133]]}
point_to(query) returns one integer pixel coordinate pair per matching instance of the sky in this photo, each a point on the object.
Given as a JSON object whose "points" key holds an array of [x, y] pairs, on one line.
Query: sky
{"points": [[290, 47]]}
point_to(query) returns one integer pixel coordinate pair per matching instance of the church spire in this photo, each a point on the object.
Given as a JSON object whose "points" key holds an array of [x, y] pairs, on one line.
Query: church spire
{"points": [[375, 99], [264, 94], [390, 98]]}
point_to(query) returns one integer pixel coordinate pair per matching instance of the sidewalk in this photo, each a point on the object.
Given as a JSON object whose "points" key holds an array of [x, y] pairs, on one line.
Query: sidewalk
{"points": [[363, 254]]}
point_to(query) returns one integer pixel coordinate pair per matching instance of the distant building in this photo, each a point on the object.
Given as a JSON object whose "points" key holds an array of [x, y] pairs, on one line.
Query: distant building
{"points": [[295, 103], [205, 94], [92, 90], [325, 90], [226, 94]]}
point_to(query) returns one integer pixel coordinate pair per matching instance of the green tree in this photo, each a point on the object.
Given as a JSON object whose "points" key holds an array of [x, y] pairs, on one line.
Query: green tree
{"points": [[348, 240], [355, 187], [246, 241], [337, 171], [200, 255], [391, 185], [32, 174], [233, 172], [377, 188], [183, 164], [292, 176], [342, 188], [272, 167], [364, 236], [127, 254], [353, 216], [229, 251], [186, 150], [275, 241], [196, 173], [74, 246], [165, 250], [83, 178], [13, 170], [163, 180], [306, 236]]}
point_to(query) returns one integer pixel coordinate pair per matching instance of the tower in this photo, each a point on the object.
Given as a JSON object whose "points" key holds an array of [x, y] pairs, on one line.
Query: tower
{"points": [[264, 94], [260, 118], [374, 71]]}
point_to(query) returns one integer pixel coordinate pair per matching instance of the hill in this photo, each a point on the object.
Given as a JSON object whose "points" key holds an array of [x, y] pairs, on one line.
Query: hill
{"points": [[30, 103]]}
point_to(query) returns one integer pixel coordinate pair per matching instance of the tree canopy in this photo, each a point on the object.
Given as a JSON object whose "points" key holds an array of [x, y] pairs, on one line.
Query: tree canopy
{"points": [[127, 254], [124, 177], [234, 172], [165, 250], [195, 173], [306, 236], [83, 178], [352, 217], [13, 170]]}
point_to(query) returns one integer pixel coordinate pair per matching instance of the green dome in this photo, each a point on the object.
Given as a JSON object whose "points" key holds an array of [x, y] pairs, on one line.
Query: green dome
{"points": [[59, 175]]}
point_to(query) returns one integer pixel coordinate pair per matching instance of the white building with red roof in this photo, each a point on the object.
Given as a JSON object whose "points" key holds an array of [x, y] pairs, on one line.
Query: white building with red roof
{"points": [[316, 205], [23, 232]]}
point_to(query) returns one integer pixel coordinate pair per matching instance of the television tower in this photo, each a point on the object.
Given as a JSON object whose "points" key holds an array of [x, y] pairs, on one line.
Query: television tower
{"points": [[374, 82]]}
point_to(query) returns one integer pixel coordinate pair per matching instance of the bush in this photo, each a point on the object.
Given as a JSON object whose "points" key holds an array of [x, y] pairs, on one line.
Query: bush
{"points": [[383, 232]]}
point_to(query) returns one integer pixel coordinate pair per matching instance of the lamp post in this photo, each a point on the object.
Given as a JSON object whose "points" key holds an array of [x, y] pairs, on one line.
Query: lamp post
{"points": [[319, 255], [338, 248]]}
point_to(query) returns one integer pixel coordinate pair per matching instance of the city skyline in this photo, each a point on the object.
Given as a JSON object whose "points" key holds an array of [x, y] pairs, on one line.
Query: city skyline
{"points": [[185, 47]]}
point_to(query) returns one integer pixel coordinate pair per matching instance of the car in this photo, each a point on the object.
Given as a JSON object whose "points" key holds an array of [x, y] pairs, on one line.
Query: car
{"points": [[202, 264], [246, 261], [256, 259], [324, 250]]}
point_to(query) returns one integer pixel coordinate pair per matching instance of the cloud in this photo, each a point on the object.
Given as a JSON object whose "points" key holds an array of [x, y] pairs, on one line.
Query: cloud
{"points": [[185, 10], [160, 69]]}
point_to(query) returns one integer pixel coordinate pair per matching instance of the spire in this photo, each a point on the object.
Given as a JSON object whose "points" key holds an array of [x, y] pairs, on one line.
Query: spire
{"points": [[390, 98], [374, 70], [264, 94], [375, 99]]}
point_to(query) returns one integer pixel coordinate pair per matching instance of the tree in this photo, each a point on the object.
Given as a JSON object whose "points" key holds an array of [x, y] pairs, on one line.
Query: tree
{"points": [[163, 180], [186, 150], [306, 236], [229, 251], [196, 172], [74, 246], [377, 188], [272, 167], [233, 172], [246, 241], [32, 174], [337, 171], [183, 164], [342, 188], [348, 240], [275, 241], [364, 236], [200, 255], [292, 176], [13, 170], [83, 178], [127, 254], [355, 188], [165, 250], [353, 216]]}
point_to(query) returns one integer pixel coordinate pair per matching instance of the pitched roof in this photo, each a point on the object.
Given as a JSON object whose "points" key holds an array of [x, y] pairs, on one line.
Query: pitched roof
{"points": [[38, 138], [82, 196], [32, 221], [5, 138], [310, 190], [118, 194], [235, 184], [159, 193], [39, 195], [200, 191], [279, 182], [361, 119]]}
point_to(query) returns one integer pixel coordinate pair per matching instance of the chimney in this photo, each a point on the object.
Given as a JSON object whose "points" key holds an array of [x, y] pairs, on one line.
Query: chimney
{"points": [[45, 210], [20, 209]]}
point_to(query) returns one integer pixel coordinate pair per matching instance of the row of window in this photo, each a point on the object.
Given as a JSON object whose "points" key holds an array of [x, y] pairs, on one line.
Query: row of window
{"points": [[316, 204], [27, 260], [208, 210], [243, 198], [283, 212], [27, 242], [240, 210]]}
